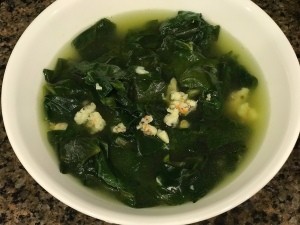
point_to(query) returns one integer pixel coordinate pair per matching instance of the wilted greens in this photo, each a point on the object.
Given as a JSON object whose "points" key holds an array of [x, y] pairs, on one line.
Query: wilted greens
{"points": [[118, 82]]}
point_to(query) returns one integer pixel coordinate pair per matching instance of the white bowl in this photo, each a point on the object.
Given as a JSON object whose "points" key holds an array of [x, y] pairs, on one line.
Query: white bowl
{"points": [[60, 22]]}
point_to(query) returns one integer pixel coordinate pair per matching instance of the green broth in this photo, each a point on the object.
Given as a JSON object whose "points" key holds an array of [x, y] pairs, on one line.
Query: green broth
{"points": [[125, 22], [258, 100]]}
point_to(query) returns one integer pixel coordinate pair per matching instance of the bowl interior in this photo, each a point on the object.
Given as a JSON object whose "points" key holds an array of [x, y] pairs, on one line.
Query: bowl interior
{"points": [[63, 20]]}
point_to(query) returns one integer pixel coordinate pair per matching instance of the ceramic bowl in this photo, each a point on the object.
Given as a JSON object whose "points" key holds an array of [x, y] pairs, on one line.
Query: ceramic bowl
{"points": [[63, 20]]}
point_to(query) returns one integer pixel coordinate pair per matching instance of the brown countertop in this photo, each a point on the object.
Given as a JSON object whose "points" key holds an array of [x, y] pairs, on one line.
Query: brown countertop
{"points": [[23, 201]]}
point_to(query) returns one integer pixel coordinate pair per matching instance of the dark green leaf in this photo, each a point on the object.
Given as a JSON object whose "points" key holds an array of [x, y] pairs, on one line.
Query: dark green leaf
{"points": [[191, 27], [148, 90], [149, 145], [223, 132], [74, 153], [106, 174], [211, 103], [234, 76], [68, 88], [97, 40], [59, 109], [195, 77]]}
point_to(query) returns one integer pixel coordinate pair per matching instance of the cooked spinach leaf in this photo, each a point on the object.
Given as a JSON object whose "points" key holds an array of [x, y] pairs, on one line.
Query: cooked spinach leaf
{"points": [[96, 40], [233, 75], [75, 152], [59, 108], [191, 28]]}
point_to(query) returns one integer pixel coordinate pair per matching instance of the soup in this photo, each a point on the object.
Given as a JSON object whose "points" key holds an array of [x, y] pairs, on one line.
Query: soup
{"points": [[157, 115]]}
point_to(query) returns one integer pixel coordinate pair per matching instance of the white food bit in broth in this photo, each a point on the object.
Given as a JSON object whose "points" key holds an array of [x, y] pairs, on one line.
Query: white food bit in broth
{"points": [[184, 124], [172, 118], [172, 87], [151, 130], [121, 141], [236, 98], [238, 105], [82, 116], [163, 135], [179, 104], [89, 117], [141, 70], [119, 128], [181, 101], [95, 122], [208, 97], [158, 180], [58, 126], [178, 96], [98, 87], [145, 126], [247, 113]]}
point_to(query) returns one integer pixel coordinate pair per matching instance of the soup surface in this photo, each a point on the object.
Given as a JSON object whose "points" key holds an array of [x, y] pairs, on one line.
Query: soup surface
{"points": [[157, 114]]}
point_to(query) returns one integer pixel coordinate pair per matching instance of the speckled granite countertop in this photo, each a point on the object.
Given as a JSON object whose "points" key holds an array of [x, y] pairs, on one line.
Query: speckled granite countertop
{"points": [[23, 201]]}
